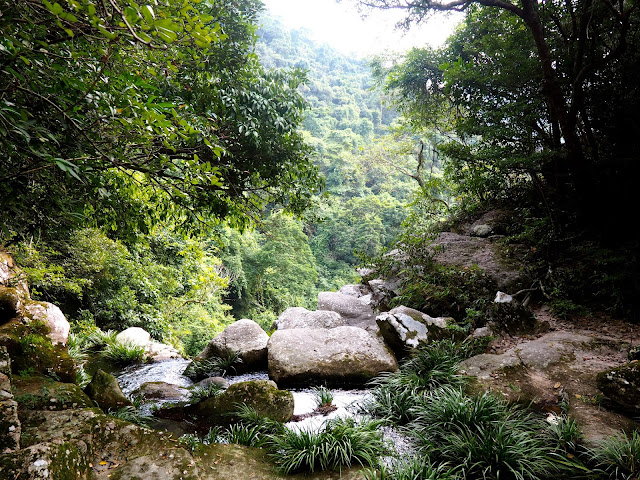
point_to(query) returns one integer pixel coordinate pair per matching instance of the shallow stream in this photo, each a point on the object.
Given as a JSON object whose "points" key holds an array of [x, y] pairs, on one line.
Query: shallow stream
{"points": [[170, 371]]}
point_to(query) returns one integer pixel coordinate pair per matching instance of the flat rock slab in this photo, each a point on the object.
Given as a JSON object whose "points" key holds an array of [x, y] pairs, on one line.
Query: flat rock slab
{"points": [[337, 356], [558, 367], [299, 317]]}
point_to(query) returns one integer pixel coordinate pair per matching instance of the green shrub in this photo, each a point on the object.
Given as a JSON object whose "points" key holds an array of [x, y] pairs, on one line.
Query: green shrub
{"points": [[322, 396], [130, 414], [124, 353], [481, 436], [342, 443], [619, 456], [200, 393], [412, 469], [212, 367]]}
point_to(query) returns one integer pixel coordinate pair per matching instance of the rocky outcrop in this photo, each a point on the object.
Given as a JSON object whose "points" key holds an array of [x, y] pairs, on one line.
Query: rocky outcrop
{"points": [[298, 317], [261, 395], [465, 251], [339, 356], [42, 393], [557, 368], [404, 328], [245, 338], [105, 391], [353, 310], [155, 351], [11, 275], [621, 387], [9, 422]]}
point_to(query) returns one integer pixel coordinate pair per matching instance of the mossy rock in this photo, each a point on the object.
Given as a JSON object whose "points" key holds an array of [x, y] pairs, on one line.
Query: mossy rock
{"points": [[512, 318], [261, 395], [105, 391], [41, 393], [32, 352], [621, 387], [11, 302]]}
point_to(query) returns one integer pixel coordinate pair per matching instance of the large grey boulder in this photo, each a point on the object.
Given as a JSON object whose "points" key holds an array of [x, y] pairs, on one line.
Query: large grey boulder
{"points": [[355, 290], [299, 317], [340, 356], [244, 337], [155, 351], [353, 310], [404, 328], [9, 422]]}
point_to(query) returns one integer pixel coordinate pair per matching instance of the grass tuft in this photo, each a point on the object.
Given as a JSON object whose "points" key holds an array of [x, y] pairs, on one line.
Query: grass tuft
{"points": [[619, 456], [124, 353]]}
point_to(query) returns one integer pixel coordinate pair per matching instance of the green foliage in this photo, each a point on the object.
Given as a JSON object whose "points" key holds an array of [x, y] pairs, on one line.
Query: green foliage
{"points": [[140, 114], [342, 442], [200, 393], [430, 366], [130, 414], [212, 367], [413, 469], [322, 396], [619, 456], [482, 436], [124, 353]]}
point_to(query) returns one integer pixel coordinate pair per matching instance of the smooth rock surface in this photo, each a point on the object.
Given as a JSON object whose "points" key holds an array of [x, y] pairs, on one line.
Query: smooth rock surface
{"points": [[353, 310], [339, 356], [134, 336], [161, 391], [244, 337], [298, 317], [52, 316]]}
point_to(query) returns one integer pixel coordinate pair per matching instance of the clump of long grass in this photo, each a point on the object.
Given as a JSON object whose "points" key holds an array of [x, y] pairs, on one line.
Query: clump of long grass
{"points": [[341, 443], [395, 394], [131, 414], [322, 396], [619, 456], [212, 367], [200, 393], [412, 469], [482, 436], [125, 353]]}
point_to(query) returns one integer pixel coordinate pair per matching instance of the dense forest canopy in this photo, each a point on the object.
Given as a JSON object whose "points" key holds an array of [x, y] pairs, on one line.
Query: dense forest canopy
{"points": [[544, 90], [125, 115]]}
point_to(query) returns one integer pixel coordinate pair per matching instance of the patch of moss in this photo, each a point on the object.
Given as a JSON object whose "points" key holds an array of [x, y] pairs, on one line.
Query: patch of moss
{"points": [[32, 352], [39, 393]]}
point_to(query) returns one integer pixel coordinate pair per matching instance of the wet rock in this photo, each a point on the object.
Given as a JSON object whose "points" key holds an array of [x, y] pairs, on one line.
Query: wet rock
{"points": [[161, 391], [298, 317], [159, 352], [52, 317], [341, 356], [221, 382], [261, 395], [353, 310], [621, 387], [244, 337], [404, 328], [41, 393], [105, 391]]}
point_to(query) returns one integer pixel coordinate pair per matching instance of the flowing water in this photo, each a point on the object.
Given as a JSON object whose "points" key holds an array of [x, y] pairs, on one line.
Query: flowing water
{"points": [[346, 401]]}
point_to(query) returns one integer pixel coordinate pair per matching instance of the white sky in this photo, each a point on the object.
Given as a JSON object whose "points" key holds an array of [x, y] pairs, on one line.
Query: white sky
{"points": [[341, 26]]}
